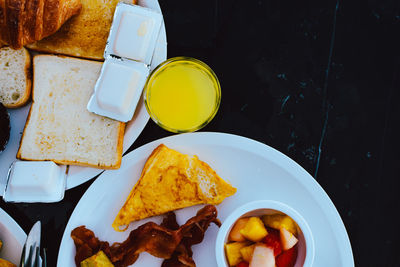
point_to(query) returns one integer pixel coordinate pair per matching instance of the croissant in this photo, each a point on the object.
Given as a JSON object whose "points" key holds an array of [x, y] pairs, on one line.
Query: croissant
{"points": [[26, 21]]}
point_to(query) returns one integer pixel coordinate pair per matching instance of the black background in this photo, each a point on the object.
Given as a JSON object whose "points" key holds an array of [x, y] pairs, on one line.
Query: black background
{"points": [[317, 80]]}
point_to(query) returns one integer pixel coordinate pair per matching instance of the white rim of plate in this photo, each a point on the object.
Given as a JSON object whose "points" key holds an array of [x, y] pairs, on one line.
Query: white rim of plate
{"points": [[13, 227], [263, 150]]}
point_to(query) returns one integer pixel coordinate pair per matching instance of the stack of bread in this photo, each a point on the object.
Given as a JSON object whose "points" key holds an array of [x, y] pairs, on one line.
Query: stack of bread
{"points": [[59, 127]]}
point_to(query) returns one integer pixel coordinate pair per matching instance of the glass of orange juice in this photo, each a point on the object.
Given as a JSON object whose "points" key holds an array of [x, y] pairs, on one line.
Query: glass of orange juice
{"points": [[182, 94]]}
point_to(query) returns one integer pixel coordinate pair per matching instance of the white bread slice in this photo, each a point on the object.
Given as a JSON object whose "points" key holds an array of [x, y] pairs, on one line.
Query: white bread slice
{"points": [[15, 77], [59, 127]]}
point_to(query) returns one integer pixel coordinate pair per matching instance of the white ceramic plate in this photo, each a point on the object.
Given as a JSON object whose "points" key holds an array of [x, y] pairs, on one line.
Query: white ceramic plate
{"points": [[256, 170], [13, 238], [78, 175]]}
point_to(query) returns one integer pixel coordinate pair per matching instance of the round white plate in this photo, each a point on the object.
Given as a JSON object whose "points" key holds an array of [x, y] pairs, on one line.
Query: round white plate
{"points": [[256, 170], [13, 238], [78, 175]]}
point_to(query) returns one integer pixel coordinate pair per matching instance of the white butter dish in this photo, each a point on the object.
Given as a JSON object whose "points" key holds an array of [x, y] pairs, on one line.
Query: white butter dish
{"points": [[118, 88], [35, 181], [133, 33]]}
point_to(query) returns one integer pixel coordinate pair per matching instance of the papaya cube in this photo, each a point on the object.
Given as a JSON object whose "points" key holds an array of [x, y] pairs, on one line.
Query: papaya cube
{"points": [[278, 221], [254, 229], [232, 251], [247, 252]]}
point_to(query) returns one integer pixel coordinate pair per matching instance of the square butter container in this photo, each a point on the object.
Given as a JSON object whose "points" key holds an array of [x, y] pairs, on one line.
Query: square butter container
{"points": [[118, 88], [133, 33], [35, 181]]}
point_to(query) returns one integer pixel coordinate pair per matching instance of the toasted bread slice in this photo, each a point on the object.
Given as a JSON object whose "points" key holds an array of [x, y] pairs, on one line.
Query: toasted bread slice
{"points": [[84, 35], [59, 127], [171, 180], [15, 77]]}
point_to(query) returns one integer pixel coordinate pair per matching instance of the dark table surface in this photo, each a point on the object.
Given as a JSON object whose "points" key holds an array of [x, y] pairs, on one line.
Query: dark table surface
{"points": [[317, 80]]}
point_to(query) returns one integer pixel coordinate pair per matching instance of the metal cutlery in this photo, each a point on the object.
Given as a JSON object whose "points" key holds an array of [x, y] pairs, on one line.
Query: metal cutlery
{"points": [[30, 256]]}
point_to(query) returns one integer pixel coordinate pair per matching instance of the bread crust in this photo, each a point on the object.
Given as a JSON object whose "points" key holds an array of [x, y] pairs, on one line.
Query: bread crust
{"points": [[34, 17], [51, 15], [14, 12], [28, 88], [177, 181], [121, 133], [23, 100], [26, 21], [4, 34], [115, 166]]}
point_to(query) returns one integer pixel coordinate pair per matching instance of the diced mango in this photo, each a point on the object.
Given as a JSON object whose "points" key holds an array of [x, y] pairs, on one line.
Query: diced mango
{"points": [[97, 260], [278, 221], [247, 252], [254, 229], [235, 234], [232, 251]]}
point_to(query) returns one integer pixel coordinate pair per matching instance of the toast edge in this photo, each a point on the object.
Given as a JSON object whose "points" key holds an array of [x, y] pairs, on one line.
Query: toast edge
{"points": [[121, 129], [28, 85]]}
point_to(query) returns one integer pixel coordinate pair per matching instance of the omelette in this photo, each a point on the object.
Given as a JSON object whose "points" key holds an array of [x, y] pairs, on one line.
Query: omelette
{"points": [[169, 181]]}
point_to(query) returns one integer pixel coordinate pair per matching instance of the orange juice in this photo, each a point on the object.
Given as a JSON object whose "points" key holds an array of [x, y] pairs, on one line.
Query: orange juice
{"points": [[182, 94]]}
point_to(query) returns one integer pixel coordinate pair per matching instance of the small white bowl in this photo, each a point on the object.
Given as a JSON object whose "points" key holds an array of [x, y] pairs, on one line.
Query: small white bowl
{"points": [[306, 249]]}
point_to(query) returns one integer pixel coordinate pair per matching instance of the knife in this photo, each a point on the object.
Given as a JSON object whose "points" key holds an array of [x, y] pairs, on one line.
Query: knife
{"points": [[31, 250]]}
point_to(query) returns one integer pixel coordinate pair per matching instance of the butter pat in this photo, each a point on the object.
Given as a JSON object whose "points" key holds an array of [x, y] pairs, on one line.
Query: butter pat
{"points": [[133, 33], [35, 181], [121, 95], [118, 88]]}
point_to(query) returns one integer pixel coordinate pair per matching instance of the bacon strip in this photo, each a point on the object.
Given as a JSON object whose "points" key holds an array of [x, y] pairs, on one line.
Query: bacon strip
{"points": [[87, 244], [167, 241], [182, 256]]}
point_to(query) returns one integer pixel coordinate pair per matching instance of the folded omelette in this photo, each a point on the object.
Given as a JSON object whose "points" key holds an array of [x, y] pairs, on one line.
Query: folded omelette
{"points": [[171, 180]]}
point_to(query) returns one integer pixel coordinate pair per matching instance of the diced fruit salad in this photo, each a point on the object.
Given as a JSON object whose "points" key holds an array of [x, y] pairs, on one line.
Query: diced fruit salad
{"points": [[266, 241]]}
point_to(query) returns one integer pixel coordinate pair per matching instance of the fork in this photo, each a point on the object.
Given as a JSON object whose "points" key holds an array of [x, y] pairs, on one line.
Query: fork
{"points": [[28, 261], [34, 259], [31, 251]]}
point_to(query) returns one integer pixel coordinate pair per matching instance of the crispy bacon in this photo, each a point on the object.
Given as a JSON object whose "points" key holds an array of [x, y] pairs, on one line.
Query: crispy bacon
{"points": [[150, 237], [87, 244], [169, 221], [167, 241], [182, 256]]}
